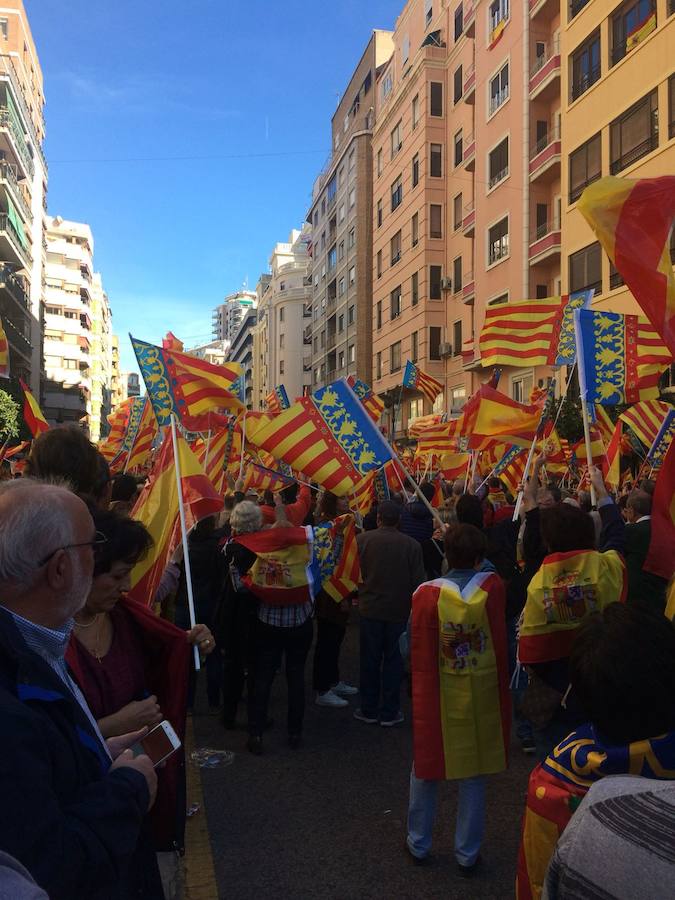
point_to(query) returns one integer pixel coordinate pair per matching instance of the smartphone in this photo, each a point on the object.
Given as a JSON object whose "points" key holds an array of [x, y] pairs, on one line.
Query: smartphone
{"points": [[158, 744]]}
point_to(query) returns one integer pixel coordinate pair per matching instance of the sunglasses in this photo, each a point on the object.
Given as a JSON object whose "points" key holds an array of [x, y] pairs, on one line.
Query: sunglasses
{"points": [[99, 538]]}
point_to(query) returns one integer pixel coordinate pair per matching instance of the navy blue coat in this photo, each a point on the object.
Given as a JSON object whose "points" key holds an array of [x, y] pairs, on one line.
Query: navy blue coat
{"points": [[75, 826]]}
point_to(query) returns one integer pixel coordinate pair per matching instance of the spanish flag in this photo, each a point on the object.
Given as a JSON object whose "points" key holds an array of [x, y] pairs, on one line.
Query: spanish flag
{"points": [[32, 413], [660, 556], [4, 353], [490, 414], [459, 665], [453, 465], [633, 220], [282, 572], [157, 509]]}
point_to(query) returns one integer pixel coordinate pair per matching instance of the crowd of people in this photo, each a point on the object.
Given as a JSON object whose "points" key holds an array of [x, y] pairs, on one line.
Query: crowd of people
{"points": [[548, 624]]}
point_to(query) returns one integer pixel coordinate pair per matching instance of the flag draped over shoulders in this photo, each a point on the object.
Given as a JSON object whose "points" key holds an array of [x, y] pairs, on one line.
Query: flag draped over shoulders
{"points": [[282, 572]]}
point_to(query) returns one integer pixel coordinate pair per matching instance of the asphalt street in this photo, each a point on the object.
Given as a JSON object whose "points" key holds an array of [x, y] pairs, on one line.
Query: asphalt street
{"points": [[328, 820]]}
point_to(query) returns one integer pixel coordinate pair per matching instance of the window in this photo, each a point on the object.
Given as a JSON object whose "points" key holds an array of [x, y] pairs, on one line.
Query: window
{"points": [[498, 241], [323, 339], [379, 263], [281, 367], [436, 160], [436, 105], [350, 315], [378, 364], [352, 160], [379, 162], [405, 49], [586, 65], [332, 258], [428, 12], [630, 25], [586, 269], [585, 166], [435, 282], [499, 88], [396, 193], [395, 303], [615, 277], [351, 238], [341, 213], [458, 85], [341, 250], [498, 163], [367, 81], [378, 315], [323, 240], [387, 85], [4, 29], [352, 276], [457, 339], [542, 220], [414, 289], [459, 22], [459, 152], [379, 213], [457, 398], [434, 342], [457, 275], [331, 189], [414, 348], [521, 388], [352, 353], [395, 247], [634, 134], [316, 217], [352, 198], [414, 230], [281, 314], [395, 357], [457, 212], [576, 6], [416, 170], [415, 115], [281, 341], [502, 298], [499, 12], [341, 287], [341, 359], [541, 291], [435, 220], [396, 140], [53, 310], [341, 322]]}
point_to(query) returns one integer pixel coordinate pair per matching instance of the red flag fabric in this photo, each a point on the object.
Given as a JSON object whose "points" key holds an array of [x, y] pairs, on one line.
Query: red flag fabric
{"points": [[659, 559]]}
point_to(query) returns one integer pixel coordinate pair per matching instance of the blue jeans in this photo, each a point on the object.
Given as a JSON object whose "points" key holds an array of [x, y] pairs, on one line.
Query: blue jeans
{"points": [[470, 826], [381, 668]]}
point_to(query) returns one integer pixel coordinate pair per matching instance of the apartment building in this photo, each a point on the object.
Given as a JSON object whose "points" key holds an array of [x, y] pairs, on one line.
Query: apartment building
{"points": [[23, 189], [101, 359], [618, 118], [241, 351], [228, 315], [340, 333], [215, 352], [280, 349]]}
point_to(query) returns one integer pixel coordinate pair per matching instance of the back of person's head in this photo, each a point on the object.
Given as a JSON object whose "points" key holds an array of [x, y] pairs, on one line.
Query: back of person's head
{"points": [[469, 510], [290, 494], [103, 484], [388, 514], [328, 506], [640, 504], [584, 500], [622, 671], [126, 540], [465, 546], [246, 517], [124, 487], [397, 497], [458, 486], [648, 485], [428, 490], [565, 528], [66, 454]]}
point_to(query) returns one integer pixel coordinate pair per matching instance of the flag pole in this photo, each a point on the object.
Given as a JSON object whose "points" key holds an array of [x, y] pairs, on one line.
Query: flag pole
{"points": [[526, 473], [208, 447], [184, 537], [468, 469], [243, 445], [587, 441]]}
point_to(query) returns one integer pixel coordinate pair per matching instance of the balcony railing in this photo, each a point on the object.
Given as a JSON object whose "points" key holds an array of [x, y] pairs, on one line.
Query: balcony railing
{"points": [[8, 174], [549, 138], [497, 177], [627, 159], [8, 68], [544, 228], [497, 99], [498, 250], [577, 191], [7, 225], [15, 285], [551, 51], [587, 79], [7, 121], [615, 280]]}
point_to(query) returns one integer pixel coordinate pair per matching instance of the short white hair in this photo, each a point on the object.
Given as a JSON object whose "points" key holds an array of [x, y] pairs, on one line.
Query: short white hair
{"points": [[246, 517], [34, 522]]}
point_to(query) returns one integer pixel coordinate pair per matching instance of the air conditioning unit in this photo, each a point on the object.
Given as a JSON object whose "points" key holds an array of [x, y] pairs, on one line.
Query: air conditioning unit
{"points": [[446, 284], [445, 349]]}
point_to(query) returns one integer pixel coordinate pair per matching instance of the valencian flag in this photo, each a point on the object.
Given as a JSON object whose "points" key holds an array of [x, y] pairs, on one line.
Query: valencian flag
{"points": [[532, 332], [171, 343], [4, 353], [660, 557], [415, 378], [633, 221], [157, 509], [373, 404], [32, 413], [328, 436], [277, 399], [189, 388], [336, 558], [460, 682], [118, 420], [490, 414], [646, 418], [658, 450], [620, 359], [132, 419], [282, 573], [140, 444]]}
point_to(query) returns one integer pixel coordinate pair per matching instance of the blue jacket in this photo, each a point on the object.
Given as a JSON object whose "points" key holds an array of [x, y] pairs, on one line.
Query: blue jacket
{"points": [[74, 825]]}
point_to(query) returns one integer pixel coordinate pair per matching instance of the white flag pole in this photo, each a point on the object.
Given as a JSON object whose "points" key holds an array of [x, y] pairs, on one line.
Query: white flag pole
{"points": [[184, 537]]}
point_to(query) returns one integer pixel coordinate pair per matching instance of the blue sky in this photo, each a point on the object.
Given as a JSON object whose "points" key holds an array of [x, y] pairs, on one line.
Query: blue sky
{"points": [[188, 136]]}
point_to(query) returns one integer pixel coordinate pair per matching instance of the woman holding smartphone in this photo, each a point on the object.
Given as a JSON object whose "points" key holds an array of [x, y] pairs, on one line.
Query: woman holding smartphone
{"points": [[133, 667]]}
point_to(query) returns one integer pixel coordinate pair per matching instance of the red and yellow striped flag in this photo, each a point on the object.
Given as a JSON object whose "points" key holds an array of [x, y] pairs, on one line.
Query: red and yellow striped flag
{"points": [[490, 414], [633, 220], [445, 437], [172, 343], [4, 353], [646, 418], [141, 444], [337, 557], [373, 404], [415, 378], [32, 413], [659, 559], [260, 479]]}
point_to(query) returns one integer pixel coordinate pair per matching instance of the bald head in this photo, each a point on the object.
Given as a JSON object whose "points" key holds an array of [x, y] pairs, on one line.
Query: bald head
{"points": [[46, 556]]}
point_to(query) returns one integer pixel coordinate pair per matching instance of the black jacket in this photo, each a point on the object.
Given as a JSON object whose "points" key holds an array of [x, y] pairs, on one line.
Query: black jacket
{"points": [[73, 824]]}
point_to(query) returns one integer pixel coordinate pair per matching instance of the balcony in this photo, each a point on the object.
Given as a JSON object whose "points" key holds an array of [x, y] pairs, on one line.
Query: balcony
{"points": [[470, 18], [15, 286], [11, 127], [543, 10], [544, 243], [469, 220], [331, 340], [470, 84], [630, 156], [12, 248], [545, 158], [9, 179], [469, 289], [545, 74], [587, 79], [469, 154]]}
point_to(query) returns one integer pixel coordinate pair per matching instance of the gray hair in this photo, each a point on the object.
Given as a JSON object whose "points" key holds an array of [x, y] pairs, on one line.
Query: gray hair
{"points": [[33, 523], [246, 517]]}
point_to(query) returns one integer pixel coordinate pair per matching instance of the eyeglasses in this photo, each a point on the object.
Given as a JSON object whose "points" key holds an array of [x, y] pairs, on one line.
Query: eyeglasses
{"points": [[99, 538]]}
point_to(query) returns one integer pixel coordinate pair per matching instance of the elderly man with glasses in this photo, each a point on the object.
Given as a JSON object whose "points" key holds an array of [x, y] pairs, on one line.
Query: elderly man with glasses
{"points": [[73, 803]]}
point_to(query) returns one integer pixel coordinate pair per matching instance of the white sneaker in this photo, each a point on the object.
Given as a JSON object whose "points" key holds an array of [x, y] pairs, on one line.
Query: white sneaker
{"points": [[344, 690], [330, 699], [388, 723]]}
